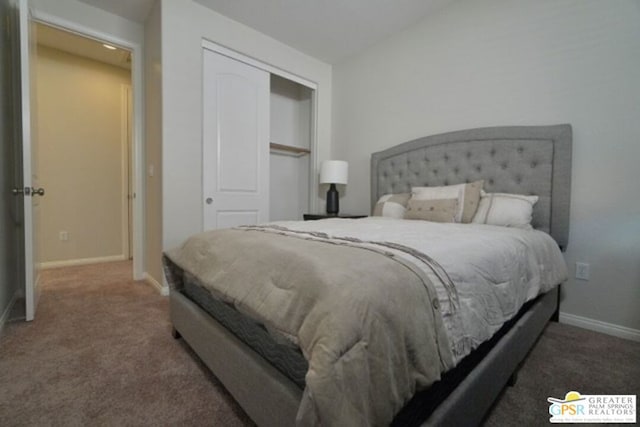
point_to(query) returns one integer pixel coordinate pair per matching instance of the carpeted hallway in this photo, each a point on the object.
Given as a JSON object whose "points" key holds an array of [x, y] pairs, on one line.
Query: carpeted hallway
{"points": [[100, 352]]}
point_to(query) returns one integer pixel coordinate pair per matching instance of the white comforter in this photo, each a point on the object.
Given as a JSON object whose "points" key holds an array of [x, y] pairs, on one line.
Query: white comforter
{"points": [[495, 270]]}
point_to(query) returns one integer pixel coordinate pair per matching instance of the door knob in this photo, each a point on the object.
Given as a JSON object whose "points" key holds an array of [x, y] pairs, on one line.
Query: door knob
{"points": [[37, 191]]}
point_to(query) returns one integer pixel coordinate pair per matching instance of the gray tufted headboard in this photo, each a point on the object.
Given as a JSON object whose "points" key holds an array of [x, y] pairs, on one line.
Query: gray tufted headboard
{"points": [[513, 159]]}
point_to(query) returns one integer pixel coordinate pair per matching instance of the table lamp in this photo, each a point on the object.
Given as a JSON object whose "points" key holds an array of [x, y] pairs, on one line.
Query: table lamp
{"points": [[333, 172]]}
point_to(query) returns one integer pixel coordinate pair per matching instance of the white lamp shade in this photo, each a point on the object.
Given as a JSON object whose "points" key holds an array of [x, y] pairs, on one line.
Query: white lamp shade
{"points": [[334, 172]]}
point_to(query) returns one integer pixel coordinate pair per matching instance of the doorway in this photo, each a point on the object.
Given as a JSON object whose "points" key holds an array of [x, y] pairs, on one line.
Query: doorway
{"points": [[85, 151]]}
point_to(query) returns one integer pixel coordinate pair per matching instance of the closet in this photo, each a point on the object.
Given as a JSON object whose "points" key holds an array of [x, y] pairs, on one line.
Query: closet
{"points": [[290, 146], [257, 142]]}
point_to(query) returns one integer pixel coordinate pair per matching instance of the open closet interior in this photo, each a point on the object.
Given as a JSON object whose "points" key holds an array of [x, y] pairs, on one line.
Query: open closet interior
{"points": [[290, 149]]}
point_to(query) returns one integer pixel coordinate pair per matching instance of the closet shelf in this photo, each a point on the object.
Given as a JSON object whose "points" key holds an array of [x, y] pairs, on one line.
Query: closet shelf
{"points": [[289, 149]]}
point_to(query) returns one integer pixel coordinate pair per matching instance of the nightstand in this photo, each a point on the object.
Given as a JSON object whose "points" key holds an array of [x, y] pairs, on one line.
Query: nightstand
{"points": [[313, 217]]}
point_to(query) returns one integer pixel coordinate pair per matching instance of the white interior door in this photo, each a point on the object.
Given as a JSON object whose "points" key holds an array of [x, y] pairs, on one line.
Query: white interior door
{"points": [[30, 189], [235, 146]]}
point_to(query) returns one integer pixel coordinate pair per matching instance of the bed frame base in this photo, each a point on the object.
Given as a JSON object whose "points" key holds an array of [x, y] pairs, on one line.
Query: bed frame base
{"points": [[471, 400], [271, 399], [266, 395]]}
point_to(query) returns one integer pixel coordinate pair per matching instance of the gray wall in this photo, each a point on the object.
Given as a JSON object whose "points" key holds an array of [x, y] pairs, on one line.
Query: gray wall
{"points": [[501, 62]]}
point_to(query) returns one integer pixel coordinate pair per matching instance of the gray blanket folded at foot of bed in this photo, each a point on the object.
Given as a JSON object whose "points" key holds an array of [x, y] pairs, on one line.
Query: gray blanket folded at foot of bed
{"points": [[367, 322]]}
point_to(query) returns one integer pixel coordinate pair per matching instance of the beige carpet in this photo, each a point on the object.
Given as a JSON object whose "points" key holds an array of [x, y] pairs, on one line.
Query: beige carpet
{"points": [[567, 358], [100, 352]]}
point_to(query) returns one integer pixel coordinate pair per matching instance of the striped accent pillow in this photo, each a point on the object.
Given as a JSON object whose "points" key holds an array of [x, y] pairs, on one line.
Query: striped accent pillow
{"points": [[507, 210], [392, 205]]}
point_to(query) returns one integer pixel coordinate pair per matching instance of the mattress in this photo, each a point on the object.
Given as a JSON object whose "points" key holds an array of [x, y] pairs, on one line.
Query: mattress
{"points": [[495, 270], [285, 357]]}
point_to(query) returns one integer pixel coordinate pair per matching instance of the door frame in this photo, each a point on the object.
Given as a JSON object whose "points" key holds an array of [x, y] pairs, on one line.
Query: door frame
{"points": [[126, 190], [31, 282], [137, 70]]}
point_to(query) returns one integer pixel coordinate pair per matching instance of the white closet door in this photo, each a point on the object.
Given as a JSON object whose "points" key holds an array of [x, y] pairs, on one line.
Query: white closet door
{"points": [[235, 142]]}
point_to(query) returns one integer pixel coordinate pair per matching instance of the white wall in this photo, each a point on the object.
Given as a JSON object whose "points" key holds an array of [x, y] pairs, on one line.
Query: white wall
{"points": [[503, 62], [81, 157], [184, 25]]}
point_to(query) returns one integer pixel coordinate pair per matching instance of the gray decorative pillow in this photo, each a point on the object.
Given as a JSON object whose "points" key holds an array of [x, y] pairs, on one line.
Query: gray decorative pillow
{"points": [[392, 205], [434, 210]]}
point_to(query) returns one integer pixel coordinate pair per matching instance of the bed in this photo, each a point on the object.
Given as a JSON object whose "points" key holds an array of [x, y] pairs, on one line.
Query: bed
{"points": [[519, 160]]}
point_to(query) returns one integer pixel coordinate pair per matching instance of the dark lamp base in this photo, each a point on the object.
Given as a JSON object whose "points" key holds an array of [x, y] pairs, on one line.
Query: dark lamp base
{"points": [[333, 203]]}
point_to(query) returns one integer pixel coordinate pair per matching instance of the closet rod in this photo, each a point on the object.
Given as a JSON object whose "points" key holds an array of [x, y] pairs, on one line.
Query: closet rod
{"points": [[290, 149]]}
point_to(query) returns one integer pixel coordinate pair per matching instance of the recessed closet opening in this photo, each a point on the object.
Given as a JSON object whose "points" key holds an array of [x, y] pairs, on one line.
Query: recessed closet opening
{"points": [[290, 163]]}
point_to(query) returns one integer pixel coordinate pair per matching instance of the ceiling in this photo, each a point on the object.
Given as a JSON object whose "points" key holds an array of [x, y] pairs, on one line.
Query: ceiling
{"points": [[330, 30], [82, 46], [134, 10]]}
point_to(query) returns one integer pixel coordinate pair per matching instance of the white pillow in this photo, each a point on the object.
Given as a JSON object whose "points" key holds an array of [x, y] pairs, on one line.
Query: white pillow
{"points": [[468, 196], [392, 205], [507, 210]]}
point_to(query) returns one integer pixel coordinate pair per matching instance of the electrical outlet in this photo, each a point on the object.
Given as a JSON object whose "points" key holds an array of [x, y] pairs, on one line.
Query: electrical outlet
{"points": [[64, 236], [582, 271]]}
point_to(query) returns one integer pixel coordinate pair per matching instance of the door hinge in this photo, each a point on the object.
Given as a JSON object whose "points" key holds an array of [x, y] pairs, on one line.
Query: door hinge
{"points": [[28, 191], [25, 191]]}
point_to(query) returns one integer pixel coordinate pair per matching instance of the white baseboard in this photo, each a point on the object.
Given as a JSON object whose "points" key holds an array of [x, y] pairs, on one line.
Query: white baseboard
{"points": [[598, 326], [163, 290], [7, 311], [81, 261]]}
